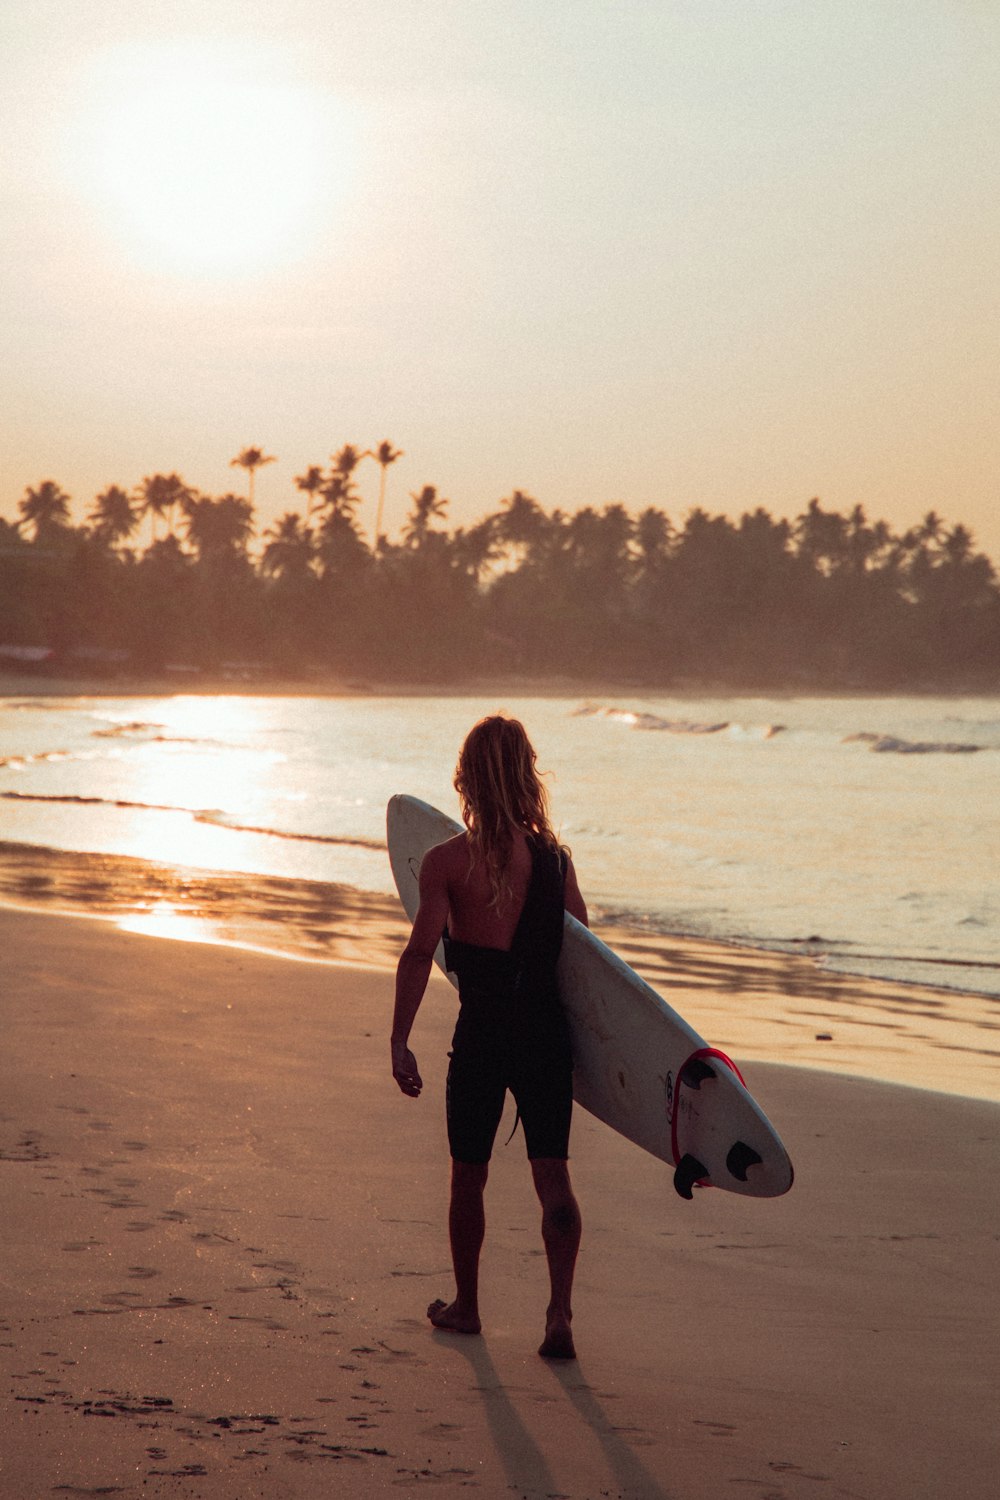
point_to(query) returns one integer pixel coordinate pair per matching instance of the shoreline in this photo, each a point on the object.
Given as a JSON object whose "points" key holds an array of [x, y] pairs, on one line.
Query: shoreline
{"points": [[765, 1005], [224, 1223], [13, 685]]}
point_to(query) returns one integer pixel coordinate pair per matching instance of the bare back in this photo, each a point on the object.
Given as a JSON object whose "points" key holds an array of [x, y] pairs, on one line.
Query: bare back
{"points": [[472, 918]]}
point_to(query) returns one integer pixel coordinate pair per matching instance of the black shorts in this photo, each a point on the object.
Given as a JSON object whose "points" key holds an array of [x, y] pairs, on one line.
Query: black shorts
{"points": [[535, 1064]]}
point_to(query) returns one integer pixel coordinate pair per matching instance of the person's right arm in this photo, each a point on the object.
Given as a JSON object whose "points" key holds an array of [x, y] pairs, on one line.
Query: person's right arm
{"points": [[414, 967]]}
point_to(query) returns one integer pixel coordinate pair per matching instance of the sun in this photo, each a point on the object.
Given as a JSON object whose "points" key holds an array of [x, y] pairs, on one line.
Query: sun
{"points": [[208, 159]]}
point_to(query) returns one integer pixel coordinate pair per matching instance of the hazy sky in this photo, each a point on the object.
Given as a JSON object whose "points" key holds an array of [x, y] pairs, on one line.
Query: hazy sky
{"points": [[717, 253]]}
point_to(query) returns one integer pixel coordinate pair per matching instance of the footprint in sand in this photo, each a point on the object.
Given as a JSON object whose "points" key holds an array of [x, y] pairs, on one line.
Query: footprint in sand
{"points": [[27, 1148], [268, 1323], [442, 1430], [101, 1489], [716, 1429]]}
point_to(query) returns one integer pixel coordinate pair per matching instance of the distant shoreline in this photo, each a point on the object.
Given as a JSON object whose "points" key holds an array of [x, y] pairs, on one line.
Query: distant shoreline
{"points": [[34, 685]]}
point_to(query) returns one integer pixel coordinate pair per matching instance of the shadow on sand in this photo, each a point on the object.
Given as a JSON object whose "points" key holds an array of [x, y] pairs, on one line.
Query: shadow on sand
{"points": [[525, 1464]]}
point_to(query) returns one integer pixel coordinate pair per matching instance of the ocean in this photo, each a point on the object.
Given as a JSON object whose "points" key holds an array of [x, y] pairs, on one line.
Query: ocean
{"points": [[863, 831]]}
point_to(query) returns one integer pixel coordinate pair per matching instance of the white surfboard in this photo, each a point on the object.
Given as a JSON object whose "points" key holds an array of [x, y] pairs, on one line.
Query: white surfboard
{"points": [[637, 1065]]}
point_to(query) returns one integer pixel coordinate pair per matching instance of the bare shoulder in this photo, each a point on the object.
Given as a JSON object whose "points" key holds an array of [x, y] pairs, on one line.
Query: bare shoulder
{"points": [[442, 861]]}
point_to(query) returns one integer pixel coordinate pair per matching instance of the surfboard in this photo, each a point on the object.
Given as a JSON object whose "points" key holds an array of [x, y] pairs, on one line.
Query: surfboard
{"points": [[637, 1064]]}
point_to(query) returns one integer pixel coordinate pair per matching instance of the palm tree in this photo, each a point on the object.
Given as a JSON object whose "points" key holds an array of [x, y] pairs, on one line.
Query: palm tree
{"points": [[45, 508], [160, 495], [112, 515], [521, 524], [384, 455], [427, 505], [931, 528], [860, 542], [473, 551], [251, 459], [652, 537], [340, 550], [821, 537], [218, 528], [346, 461], [290, 548], [339, 496], [310, 483], [583, 531]]}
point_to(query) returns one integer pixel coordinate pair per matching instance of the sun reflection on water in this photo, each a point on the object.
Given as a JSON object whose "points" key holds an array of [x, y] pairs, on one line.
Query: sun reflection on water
{"points": [[189, 769], [165, 920]]}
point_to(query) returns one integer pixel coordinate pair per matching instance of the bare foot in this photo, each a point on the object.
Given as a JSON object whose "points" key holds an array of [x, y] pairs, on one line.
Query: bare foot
{"points": [[558, 1341], [447, 1316]]}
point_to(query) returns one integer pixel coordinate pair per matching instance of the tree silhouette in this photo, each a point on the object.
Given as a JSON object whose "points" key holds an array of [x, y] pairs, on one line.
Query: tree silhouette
{"points": [[474, 550], [428, 506], [829, 600], [384, 455], [218, 528], [112, 516], [931, 528], [346, 461], [162, 495], [251, 459], [311, 484], [289, 550], [45, 509]]}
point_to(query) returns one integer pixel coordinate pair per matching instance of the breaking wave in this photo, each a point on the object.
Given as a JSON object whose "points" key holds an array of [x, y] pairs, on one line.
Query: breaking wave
{"points": [[19, 762], [654, 723], [211, 815], [153, 734], [888, 744]]}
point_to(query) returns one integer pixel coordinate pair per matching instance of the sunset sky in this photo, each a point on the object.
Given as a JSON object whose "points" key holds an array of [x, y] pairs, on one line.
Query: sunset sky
{"points": [[719, 253]]}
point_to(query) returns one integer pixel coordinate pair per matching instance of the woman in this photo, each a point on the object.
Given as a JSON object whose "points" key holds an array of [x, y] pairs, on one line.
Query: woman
{"points": [[498, 892]]}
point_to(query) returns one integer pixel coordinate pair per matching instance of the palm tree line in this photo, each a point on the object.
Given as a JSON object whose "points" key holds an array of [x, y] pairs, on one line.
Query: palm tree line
{"points": [[827, 600]]}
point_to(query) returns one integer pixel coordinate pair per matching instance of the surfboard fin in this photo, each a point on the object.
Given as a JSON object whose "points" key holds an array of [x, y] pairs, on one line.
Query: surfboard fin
{"points": [[741, 1156], [689, 1171], [695, 1072]]}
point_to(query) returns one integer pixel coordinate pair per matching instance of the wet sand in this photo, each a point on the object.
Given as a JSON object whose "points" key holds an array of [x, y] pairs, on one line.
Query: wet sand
{"points": [[223, 1223], [766, 1006]]}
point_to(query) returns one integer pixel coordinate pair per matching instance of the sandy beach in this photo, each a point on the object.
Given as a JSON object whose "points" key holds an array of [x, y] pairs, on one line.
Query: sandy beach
{"points": [[223, 1224]]}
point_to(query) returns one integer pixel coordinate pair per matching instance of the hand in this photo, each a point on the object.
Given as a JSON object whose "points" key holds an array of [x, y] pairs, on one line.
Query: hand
{"points": [[404, 1070]]}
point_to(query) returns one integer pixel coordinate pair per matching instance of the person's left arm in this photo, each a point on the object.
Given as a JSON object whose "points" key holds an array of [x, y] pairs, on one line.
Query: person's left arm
{"points": [[572, 898], [414, 966]]}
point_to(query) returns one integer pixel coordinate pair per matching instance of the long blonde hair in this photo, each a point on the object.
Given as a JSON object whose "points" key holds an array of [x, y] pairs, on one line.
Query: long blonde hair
{"points": [[501, 790]]}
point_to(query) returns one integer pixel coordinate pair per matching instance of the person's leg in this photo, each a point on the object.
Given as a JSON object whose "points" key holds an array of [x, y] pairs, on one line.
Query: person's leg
{"points": [[474, 1098], [466, 1229], [561, 1236]]}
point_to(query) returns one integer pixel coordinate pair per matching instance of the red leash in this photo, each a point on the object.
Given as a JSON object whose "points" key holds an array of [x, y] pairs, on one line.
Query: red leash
{"points": [[700, 1053]]}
